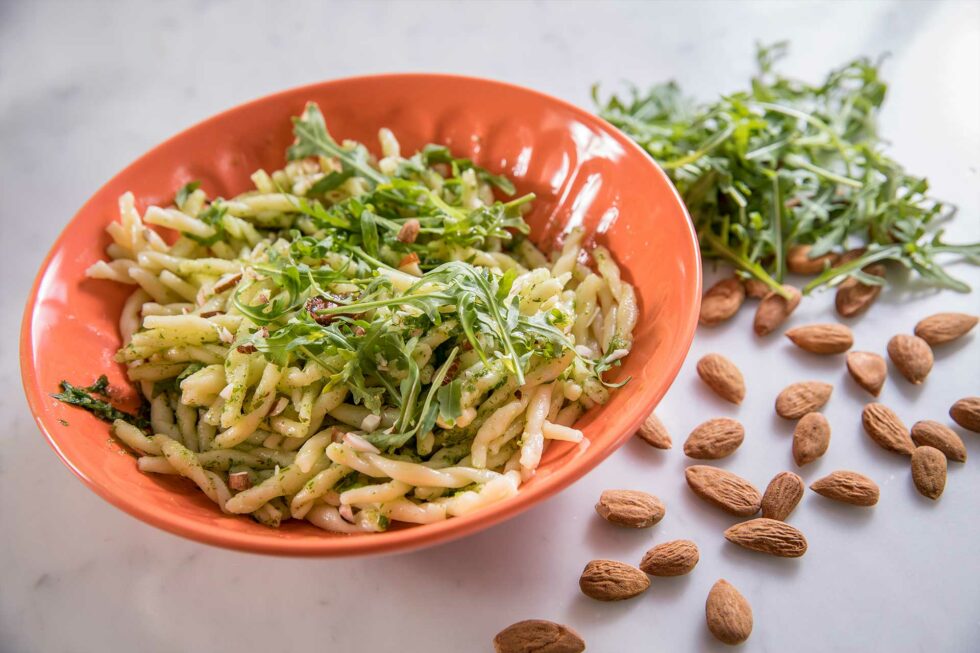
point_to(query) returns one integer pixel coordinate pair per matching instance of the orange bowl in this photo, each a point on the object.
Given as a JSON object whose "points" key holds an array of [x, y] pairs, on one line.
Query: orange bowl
{"points": [[583, 171]]}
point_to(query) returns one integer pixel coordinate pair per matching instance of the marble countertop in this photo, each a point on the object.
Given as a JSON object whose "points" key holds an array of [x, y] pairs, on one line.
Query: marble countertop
{"points": [[85, 87]]}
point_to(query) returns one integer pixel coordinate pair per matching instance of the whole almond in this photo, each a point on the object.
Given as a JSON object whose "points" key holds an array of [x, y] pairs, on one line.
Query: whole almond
{"points": [[912, 356], [868, 370], [929, 471], [851, 255], [714, 439], [538, 636], [928, 433], [853, 296], [773, 311], [798, 260], [884, 427], [654, 433], [944, 327], [630, 508], [768, 536], [811, 437], [966, 413], [847, 487], [724, 489], [822, 338], [728, 614], [609, 580], [755, 289], [782, 495], [722, 301], [722, 376], [798, 399], [674, 558]]}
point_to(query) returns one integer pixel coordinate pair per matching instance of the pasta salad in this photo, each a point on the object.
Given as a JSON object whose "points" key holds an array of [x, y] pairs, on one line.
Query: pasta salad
{"points": [[357, 341]]}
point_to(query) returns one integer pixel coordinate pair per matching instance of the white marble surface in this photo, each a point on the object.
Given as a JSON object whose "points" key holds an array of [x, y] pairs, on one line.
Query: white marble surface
{"points": [[87, 86]]}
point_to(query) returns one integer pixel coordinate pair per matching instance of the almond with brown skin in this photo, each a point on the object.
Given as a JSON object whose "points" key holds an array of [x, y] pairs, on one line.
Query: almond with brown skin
{"points": [[654, 433], [609, 580], [755, 289], [773, 311], [854, 297], [538, 636], [728, 614], [822, 338], [714, 439], [868, 370], [929, 471], [884, 427], [674, 558], [928, 433], [798, 260], [768, 536], [798, 399], [782, 495], [847, 487], [726, 490], [912, 356], [945, 327], [966, 413], [722, 376], [722, 301], [630, 508], [811, 437]]}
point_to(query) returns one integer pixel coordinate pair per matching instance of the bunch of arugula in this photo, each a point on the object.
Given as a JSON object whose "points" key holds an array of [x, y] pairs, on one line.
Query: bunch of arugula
{"points": [[786, 163]]}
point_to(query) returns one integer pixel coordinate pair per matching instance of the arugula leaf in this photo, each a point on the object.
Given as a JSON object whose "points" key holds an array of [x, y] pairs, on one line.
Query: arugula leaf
{"points": [[184, 192], [84, 397]]}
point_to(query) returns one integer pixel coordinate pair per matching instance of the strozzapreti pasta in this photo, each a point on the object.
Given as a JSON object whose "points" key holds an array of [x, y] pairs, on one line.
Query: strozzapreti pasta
{"points": [[359, 341]]}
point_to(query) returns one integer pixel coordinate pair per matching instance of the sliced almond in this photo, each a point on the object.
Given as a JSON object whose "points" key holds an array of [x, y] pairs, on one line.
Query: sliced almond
{"points": [[630, 508], [884, 427], [944, 327], [782, 495], [714, 439], [868, 370], [538, 636], [966, 413], [811, 437], [755, 289], [822, 338], [768, 536], [847, 487], [724, 489], [654, 433], [728, 614], [798, 260], [721, 375], [674, 558], [854, 297], [929, 471], [927, 433], [798, 399], [409, 231], [722, 301], [609, 580], [912, 356], [773, 311]]}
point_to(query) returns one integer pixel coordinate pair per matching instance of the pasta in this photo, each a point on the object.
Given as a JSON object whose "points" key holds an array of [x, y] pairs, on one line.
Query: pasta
{"points": [[359, 342]]}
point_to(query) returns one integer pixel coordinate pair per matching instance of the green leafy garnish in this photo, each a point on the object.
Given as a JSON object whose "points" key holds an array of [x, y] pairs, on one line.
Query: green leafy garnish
{"points": [[87, 397], [184, 192]]}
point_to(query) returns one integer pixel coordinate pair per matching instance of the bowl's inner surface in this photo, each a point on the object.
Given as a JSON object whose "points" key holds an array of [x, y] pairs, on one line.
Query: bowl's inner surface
{"points": [[582, 171]]}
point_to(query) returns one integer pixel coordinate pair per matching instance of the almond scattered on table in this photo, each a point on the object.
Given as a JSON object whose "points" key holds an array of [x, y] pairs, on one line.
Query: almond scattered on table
{"points": [[654, 433], [728, 613], [798, 399], [722, 301], [755, 289], [811, 438], [714, 439], [944, 327], [966, 413], [630, 508], [854, 297], [726, 490], [609, 580], [538, 636], [929, 471], [912, 356], [674, 558], [782, 495], [798, 260], [927, 433], [868, 370], [884, 427], [773, 311], [847, 487], [722, 376], [768, 536], [822, 338]]}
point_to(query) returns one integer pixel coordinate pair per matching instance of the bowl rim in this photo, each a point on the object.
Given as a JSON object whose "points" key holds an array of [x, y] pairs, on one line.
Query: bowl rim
{"points": [[411, 538]]}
